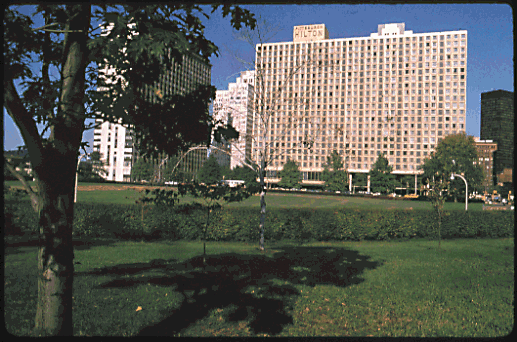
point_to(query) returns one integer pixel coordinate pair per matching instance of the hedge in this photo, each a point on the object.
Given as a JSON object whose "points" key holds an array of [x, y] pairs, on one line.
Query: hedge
{"points": [[241, 224]]}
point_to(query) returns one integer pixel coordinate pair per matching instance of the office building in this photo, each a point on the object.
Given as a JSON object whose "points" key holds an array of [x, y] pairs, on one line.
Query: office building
{"points": [[393, 92], [235, 106], [115, 141], [497, 124], [485, 150]]}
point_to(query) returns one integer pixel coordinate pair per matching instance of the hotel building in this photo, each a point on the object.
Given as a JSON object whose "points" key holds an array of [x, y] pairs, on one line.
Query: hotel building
{"points": [[115, 141], [394, 92]]}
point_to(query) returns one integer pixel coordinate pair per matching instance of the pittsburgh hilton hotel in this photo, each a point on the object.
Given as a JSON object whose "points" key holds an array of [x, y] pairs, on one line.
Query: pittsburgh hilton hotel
{"points": [[394, 92]]}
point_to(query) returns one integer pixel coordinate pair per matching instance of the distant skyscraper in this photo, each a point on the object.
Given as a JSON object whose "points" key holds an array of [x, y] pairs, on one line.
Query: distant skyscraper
{"points": [[486, 150], [394, 92], [235, 106], [497, 124], [115, 141]]}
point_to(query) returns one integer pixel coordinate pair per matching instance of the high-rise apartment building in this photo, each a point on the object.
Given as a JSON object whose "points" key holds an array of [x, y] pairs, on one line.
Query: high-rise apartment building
{"points": [[394, 92], [115, 141], [497, 119], [235, 106]]}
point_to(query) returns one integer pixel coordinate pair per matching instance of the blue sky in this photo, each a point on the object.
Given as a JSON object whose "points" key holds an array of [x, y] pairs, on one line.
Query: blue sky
{"points": [[490, 42]]}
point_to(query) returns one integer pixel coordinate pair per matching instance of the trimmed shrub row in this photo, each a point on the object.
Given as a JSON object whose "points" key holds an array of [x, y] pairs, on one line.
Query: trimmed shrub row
{"points": [[241, 224]]}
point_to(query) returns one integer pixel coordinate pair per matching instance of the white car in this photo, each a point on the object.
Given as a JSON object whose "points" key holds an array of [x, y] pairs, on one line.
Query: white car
{"points": [[171, 183]]}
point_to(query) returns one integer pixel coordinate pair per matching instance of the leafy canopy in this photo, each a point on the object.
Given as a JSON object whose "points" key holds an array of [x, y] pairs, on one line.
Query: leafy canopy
{"points": [[456, 153], [290, 175], [140, 38], [210, 173], [333, 175], [142, 170], [381, 179]]}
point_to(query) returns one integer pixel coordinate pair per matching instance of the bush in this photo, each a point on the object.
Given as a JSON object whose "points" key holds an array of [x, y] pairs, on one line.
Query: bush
{"points": [[242, 224]]}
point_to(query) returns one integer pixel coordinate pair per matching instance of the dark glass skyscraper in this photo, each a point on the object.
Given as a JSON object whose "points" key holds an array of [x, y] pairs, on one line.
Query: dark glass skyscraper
{"points": [[497, 119]]}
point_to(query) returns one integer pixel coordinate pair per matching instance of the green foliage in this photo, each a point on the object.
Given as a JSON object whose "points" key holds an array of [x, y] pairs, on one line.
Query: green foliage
{"points": [[210, 173], [161, 198], [188, 221], [290, 175], [408, 181], [333, 175], [360, 179], [170, 173], [456, 153], [226, 172], [381, 179], [249, 177], [166, 32], [142, 170]]}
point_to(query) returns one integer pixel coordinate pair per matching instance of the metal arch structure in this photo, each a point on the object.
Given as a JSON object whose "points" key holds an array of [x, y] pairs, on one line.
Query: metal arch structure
{"points": [[205, 148]]}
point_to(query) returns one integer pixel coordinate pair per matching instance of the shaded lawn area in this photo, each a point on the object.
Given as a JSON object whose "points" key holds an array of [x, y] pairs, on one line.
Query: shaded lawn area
{"points": [[410, 288]]}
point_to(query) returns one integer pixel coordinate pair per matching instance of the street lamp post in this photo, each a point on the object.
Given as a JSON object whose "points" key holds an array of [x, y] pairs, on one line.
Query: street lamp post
{"points": [[466, 189], [77, 174]]}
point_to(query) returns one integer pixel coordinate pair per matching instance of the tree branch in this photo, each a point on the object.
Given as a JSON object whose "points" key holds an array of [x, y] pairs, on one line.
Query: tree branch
{"points": [[24, 122], [28, 188]]}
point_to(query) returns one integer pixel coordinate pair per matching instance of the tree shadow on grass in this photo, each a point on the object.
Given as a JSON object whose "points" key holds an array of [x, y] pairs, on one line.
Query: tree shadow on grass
{"points": [[258, 289], [26, 244]]}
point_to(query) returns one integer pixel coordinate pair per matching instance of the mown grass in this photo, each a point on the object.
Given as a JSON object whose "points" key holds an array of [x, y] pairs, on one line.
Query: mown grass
{"points": [[411, 288], [282, 201], [278, 200]]}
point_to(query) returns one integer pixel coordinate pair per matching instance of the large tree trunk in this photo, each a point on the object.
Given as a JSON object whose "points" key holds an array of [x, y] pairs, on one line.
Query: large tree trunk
{"points": [[55, 171], [55, 255]]}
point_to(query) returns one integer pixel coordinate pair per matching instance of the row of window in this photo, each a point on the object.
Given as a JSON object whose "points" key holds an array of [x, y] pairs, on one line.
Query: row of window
{"points": [[353, 166], [358, 41]]}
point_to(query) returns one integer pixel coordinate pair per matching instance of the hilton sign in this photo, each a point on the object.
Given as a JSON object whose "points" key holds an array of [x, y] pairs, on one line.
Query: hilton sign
{"points": [[310, 32]]}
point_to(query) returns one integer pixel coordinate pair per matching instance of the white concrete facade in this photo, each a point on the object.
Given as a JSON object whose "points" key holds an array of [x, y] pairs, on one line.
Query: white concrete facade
{"points": [[235, 106]]}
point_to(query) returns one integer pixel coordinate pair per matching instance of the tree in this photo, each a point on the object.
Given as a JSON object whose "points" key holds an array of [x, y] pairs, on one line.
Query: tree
{"points": [[214, 195], [210, 173], [142, 170], [456, 153], [226, 172], [248, 175], [290, 175], [381, 179], [69, 46], [19, 162], [438, 181], [334, 175]]}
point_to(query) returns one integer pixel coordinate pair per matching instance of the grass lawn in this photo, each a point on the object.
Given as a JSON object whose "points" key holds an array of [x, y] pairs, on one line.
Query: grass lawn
{"points": [[411, 288], [121, 194]]}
